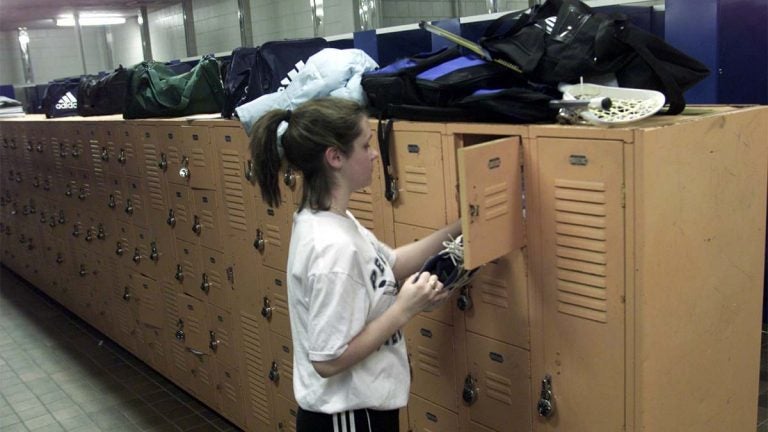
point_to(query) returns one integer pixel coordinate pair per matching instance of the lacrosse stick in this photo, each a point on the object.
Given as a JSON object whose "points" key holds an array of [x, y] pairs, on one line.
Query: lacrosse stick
{"points": [[466, 43], [606, 106]]}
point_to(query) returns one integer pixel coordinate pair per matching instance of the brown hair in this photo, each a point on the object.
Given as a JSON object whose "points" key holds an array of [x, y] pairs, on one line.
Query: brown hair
{"points": [[312, 128]]}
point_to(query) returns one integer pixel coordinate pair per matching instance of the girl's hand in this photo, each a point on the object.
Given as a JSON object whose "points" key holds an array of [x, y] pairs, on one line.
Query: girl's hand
{"points": [[419, 292]]}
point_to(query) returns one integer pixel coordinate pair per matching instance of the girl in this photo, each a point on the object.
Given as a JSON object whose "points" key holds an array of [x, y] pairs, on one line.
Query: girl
{"points": [[346, 305]]}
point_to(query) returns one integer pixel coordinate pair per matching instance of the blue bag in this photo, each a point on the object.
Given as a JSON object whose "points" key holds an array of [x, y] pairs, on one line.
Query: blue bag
{"points": [[60, 98]]}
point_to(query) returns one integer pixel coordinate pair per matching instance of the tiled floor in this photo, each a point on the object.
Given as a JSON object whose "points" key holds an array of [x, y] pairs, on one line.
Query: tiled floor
{"points": [[57, 373]]}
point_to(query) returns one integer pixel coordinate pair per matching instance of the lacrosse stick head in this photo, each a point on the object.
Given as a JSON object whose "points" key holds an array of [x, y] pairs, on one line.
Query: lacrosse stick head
{"points": [[448, 265], [627, 104]]}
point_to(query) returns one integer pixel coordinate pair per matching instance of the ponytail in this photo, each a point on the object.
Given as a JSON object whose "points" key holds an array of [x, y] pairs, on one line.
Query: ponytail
{"points": [[267, 155]]}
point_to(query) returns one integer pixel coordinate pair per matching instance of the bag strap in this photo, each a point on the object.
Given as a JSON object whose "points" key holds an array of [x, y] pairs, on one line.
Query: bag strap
{"points": [[519, 19], [675, 97], [384, 133]]}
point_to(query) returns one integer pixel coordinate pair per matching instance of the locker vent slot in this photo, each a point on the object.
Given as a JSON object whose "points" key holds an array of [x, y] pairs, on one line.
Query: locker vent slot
{"points": [[234, 195], [580, 255], [180, 360], [499, 388], [495, 201], [273, 236], [429, 361], [258, 399], [198, 160], [154, 180], [493, 292], [361, 205], [416, 179]]}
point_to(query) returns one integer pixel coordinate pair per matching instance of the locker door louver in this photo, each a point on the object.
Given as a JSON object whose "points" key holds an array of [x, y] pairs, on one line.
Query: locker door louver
{"points": [[154, 180], [361, 205], [258, 398], [580, 217], [234, 194]]}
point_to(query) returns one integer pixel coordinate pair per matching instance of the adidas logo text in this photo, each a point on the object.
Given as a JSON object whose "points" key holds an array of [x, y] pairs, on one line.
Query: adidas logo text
{"points": [[68, 101]]}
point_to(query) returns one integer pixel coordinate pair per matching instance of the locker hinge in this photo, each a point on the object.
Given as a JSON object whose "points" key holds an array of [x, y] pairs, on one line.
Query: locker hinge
{"points": [[623, 195]]}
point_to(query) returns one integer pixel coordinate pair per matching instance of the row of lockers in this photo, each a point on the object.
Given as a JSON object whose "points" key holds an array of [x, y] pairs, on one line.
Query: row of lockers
{"points": [[189, 275]]}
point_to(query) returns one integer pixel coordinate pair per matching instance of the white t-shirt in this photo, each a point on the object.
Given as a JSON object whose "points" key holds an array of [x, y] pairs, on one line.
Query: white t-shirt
{"points": [[340, 278]]}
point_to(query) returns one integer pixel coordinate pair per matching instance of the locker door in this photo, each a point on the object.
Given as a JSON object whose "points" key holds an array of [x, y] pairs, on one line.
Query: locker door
{"points": [[499, 296], [431, 352], [124, 307], [499, 383], [154, 348], [189, 269], [216, 278], [135, 201], [124, 244], [371, 208], [275, 304], [141, 250], [203, 380], [162, 253], [129, 151], [285, 413], [154, 164], [173, 153], [254, 366], [194, 314], [582, 277], [200, 158], [273, 236], [281, 370], [205, 222], [418, 160], [181, 212], [229, 393], [428, 417], [237, 174], [150, 310], [490, 194], [222, 343]]}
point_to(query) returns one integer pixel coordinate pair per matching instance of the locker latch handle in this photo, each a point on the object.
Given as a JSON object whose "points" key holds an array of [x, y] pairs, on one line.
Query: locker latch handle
{"points": [[47, 185], [289, 177], [206, 285], [52, 223], [82, 270], [88, 235], [83, 193], [197, 228], [163, 164], [126, 294], [250, 171], [153, 255], [43, 219], [214, 343], [36, 182], [62, 219], [119, 251], [76, 230], [59, 258], [274, 374], [545, 407], [121, 157], [266, 310], [111, 202], [184, 170], [464, 301], [68, 192], [39, 147], [470, 391], [129, 207], [75, 152], [474, 211], [136, 255], [180, 330], [62, 151], [171, 221], [179, 273], [101, 234], [259, 243], [104, 154]]}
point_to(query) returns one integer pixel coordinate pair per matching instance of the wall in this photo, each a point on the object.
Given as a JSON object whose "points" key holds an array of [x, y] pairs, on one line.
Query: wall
{"points": [[399, 12], [126, 44], [217, 28], [166, 33], [11, 67]]}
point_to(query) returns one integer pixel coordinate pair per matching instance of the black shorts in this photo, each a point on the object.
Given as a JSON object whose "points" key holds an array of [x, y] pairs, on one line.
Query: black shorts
{"points": [[360, 420]]}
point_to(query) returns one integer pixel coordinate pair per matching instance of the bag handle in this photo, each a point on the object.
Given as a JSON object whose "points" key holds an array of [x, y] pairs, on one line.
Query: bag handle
{"points": [[675, 97], [384, 133], [154, 82]]}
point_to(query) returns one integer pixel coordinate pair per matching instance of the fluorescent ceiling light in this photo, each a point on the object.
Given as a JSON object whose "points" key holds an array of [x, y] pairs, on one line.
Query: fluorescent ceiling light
{"points": [[90, 20]]}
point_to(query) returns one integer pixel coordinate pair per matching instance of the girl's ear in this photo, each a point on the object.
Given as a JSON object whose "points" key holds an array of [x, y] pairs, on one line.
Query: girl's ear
{"points": [[333, 157]]}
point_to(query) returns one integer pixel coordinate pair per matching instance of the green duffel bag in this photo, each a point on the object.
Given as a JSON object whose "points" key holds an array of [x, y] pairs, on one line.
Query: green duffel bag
{"points": [[156, 91]]}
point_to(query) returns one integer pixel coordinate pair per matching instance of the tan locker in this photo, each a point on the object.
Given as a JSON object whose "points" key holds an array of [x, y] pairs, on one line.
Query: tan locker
{"points": [[189, 268], [154, 163], [203, 372], [173, 154], [216, 278], [281, 370], [371, 209], [237, 181], [285, 414], [151, 309], [490, 191], [433, 369], [109, 140], [418, 163], [153, 351], [112, 206], [84, 187], [128, 148], [255, 359], [181, 212], [274, 307], [229, 393], [124, 307], [427, 417], [199, 158], [206, 223], [497, 388], [405, 234], [78, 145], [290, 185], [193, 313], [135, 201], [580, 191], [162, 253], [102, 297], [100, 158], [178, 360], [273, 235], [223, 341], [248, 274], [124, 244], [141, 250], [499, 301]]}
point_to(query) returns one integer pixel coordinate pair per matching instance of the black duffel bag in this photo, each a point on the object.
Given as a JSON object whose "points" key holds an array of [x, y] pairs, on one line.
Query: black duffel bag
{"points": [[564, 40], [103, 95]]}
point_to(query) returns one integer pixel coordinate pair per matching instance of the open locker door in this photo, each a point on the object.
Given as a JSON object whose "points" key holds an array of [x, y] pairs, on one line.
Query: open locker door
{"points": [[490, 195]]}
